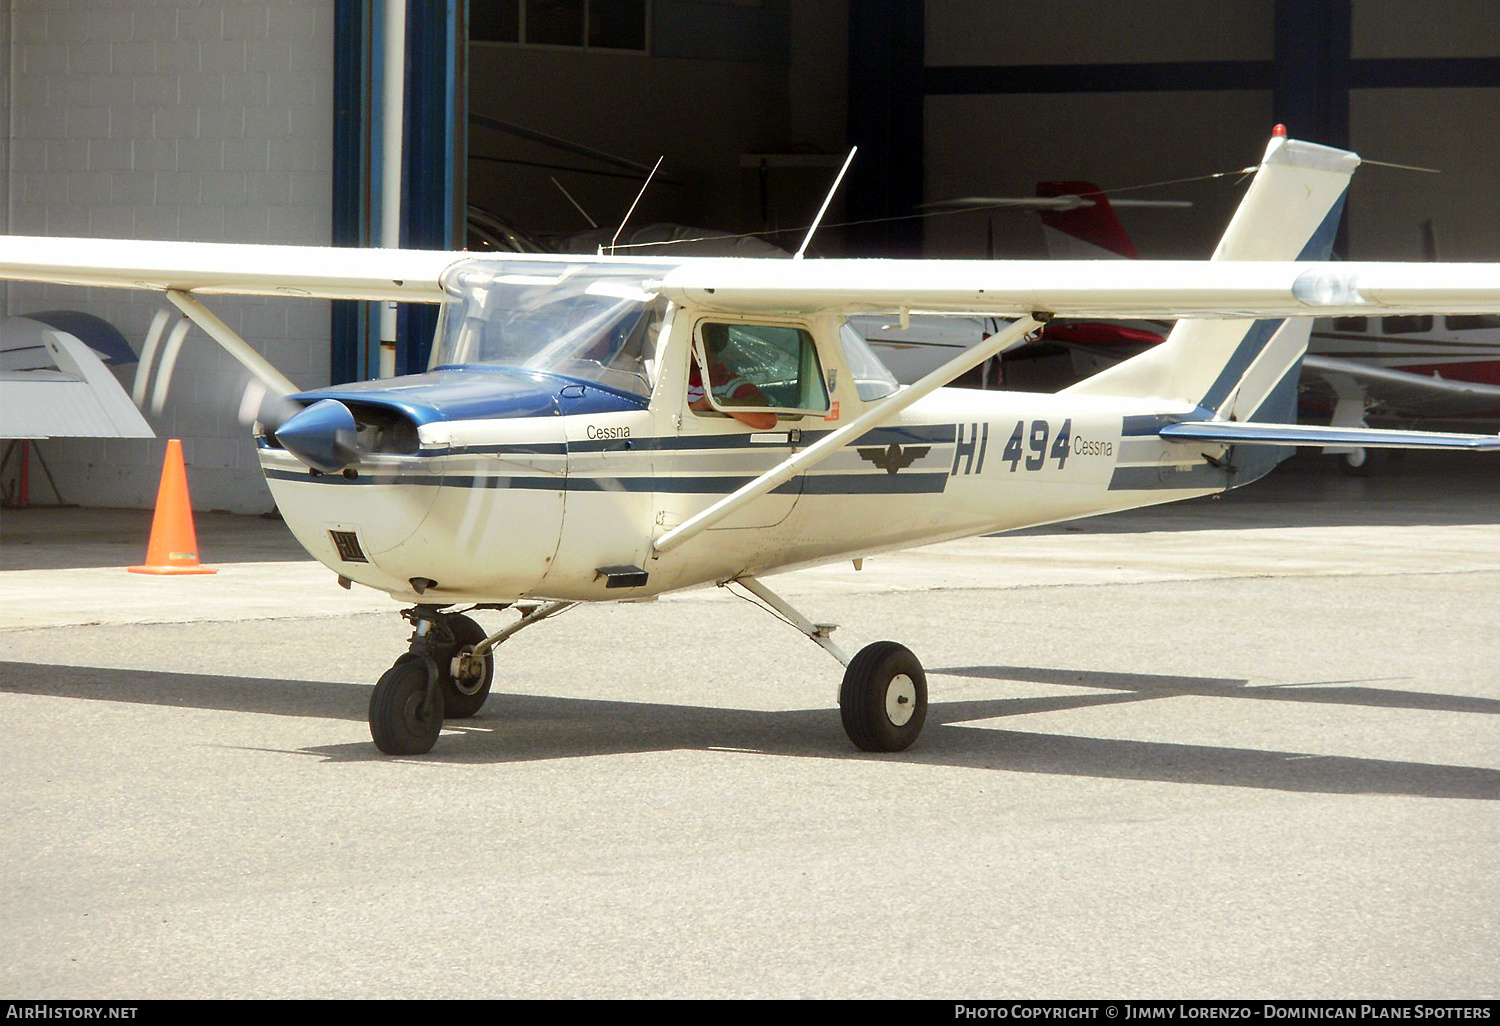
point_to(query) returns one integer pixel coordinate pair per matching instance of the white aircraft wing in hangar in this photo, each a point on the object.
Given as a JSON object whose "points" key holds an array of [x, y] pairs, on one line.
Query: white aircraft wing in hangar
{"points": [[55, 385]]}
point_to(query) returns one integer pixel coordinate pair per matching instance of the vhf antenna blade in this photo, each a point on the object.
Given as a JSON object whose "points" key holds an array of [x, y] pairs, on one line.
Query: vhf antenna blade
{"points": [[826, 200], [632, 206]]}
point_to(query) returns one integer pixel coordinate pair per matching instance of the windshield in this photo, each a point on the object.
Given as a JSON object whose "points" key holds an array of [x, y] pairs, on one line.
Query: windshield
{"points": [[588, 321]]}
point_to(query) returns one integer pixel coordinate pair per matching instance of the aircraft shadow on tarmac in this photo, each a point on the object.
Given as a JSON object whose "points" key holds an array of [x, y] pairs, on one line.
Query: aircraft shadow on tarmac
{"points": [[523, 728]]}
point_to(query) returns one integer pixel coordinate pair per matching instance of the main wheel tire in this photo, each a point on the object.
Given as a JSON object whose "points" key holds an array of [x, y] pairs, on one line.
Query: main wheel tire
{"points": [[883, 700], [400, 720], [463, 698]]}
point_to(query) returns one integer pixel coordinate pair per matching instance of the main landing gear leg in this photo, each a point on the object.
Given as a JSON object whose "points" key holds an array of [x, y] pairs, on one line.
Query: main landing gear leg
{"points": [[1349, 411], [447, 671], [883, 697]]}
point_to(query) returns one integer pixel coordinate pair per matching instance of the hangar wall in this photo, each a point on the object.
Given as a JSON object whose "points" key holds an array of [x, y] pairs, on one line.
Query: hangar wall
{"points": [[699, 114], [175, 120], [1455, 128], [1000, 113], [718, 80], [183, 119]]}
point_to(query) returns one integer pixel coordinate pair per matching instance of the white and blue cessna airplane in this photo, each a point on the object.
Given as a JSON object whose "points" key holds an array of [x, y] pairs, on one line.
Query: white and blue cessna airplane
{"points": [[565, 447]]}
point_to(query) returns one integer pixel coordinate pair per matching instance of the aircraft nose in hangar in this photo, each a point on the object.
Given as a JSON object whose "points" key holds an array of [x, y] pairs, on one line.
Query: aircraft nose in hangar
{"points": [[323, 436]]}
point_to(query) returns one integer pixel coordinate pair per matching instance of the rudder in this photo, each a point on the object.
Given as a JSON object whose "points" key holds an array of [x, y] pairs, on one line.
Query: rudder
{"points": [[1248, 369]]}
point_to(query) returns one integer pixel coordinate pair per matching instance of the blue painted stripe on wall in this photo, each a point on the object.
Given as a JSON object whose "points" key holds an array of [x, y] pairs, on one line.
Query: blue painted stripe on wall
{"points": [[1195, 76], [1425, 73], [350, 121], [1098, 78]]}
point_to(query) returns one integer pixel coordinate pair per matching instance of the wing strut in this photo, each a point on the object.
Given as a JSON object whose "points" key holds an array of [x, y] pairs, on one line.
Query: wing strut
{"points": [[882, 411], [232, 343]]}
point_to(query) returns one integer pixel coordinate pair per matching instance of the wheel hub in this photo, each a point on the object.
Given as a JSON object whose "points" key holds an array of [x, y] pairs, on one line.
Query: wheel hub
{"points": [[416, 711], [467, 670], [900, 700]]}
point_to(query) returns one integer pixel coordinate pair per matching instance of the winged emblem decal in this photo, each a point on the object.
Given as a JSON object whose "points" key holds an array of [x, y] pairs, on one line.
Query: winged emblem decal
{"points": [[894, 457]]}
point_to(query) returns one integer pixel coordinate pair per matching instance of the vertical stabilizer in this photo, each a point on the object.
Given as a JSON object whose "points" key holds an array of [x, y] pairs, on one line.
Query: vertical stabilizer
{"points": [[1247, 370]]}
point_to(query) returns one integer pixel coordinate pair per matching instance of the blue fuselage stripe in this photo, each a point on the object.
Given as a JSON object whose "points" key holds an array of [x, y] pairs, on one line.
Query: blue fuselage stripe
{"points": [[817, 484]]}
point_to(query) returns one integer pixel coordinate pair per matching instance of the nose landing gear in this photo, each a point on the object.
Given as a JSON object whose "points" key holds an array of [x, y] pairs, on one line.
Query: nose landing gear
{"points": [[447, 671], [463, 677], [406, 710]]}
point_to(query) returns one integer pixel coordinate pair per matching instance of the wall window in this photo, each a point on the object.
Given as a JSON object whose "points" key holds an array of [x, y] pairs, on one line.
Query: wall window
{"points": [[1472, 322], [1406, 324], [586, 24]]}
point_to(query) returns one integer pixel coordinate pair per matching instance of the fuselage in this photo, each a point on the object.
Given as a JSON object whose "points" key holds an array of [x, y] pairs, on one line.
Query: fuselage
{"points": [[486, 484]]}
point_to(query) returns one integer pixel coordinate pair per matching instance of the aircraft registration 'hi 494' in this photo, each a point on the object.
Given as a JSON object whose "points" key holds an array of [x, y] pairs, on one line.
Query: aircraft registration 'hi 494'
{"points": [[552, 454]]}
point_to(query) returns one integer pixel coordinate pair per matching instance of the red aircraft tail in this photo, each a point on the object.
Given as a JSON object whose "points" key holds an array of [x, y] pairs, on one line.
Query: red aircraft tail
{"points": [[1089, 233], [1085, 232]]}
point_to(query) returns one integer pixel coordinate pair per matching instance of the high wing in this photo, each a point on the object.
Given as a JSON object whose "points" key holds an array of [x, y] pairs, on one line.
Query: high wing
{"points": [[1083, 288], [1086, 288], [220, 268]]}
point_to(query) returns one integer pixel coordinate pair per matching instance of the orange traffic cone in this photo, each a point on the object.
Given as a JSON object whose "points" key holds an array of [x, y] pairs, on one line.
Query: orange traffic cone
{"points": [[174, 543]]}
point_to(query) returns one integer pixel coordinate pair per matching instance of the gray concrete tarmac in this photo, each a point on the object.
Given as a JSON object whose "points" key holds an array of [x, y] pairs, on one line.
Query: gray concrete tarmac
{"points": [[1237, 748]]}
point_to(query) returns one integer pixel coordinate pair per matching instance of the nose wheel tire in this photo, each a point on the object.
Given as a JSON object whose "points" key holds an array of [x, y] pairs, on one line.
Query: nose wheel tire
{"points": [[463, 695], [883, 700], [406, 715]]}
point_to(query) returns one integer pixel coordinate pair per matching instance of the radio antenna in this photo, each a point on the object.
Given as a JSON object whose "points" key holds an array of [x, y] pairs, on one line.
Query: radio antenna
{"points": [[826, 200], [632, 206], [569, 195]]}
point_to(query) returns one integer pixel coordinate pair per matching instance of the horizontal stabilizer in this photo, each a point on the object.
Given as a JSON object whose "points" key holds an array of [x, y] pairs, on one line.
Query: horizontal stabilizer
{"points": [[1250, 433]]}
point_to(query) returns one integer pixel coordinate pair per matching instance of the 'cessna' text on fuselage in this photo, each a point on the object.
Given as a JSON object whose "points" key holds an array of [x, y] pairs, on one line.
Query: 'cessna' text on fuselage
{"points": [[1089, 447]]}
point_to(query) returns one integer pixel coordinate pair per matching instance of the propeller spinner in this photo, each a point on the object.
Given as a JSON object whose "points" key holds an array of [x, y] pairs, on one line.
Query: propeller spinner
{"points": [[323, 436]]}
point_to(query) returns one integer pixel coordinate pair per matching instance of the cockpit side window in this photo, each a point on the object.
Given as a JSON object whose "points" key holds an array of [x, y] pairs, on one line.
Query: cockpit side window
{"points": [[766, 367]]}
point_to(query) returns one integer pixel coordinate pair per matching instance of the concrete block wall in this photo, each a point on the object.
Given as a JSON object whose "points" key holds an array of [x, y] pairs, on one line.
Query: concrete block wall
{"points": [[174, 119]]}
